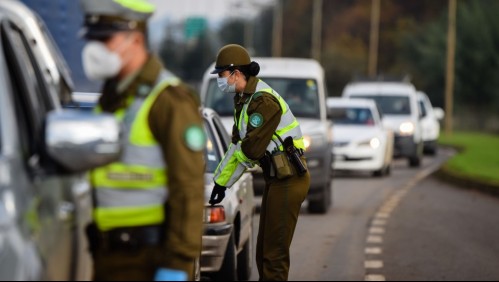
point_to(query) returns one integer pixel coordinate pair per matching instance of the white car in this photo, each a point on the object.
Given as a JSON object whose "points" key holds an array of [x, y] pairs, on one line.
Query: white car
{"points": [[398, 104], [361, 142], [430, 122], [227, 253]]}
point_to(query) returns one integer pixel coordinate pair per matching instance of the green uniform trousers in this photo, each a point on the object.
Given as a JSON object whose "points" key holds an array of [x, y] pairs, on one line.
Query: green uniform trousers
{"points": [[139, 265], [281, 203]]}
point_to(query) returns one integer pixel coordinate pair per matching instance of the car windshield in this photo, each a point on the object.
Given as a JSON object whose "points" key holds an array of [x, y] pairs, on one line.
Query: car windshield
{"points": [[352, 116], [301, 95], [390, 105], [211, 153]]}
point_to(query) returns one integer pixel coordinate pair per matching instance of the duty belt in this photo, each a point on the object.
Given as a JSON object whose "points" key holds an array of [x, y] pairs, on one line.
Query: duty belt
{"points": [[131, 238]]}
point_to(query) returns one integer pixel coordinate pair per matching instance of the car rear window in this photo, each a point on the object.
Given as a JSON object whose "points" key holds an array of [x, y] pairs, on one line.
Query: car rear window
{"points": [[390, 105], [302, 96], [352, 116]]}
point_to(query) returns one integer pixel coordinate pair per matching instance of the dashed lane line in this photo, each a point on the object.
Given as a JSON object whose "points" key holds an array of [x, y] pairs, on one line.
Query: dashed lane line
{"points": [[377, 230]]}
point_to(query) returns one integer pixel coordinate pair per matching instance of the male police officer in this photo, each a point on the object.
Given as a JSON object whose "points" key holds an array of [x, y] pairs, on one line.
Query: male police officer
{"points": [[148, 207], [262, 121]]}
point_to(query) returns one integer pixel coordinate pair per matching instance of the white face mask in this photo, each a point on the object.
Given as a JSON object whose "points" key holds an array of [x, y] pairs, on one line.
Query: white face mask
{"points": [[99, 63], [224, 85]]}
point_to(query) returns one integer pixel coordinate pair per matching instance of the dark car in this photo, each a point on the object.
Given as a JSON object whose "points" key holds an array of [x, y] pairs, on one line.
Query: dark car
{"points": [[45, 198]]}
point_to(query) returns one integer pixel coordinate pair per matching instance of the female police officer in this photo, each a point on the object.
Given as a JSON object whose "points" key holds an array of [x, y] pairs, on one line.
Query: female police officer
{"points": [[262, 121]]}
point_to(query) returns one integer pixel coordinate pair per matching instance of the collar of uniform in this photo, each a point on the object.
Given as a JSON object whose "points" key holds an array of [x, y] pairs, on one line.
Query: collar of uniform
{"points": [[111, 100], [146, 76], [251, 85]]}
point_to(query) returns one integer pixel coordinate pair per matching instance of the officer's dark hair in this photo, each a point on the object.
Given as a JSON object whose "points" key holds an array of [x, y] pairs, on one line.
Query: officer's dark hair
{"points": [[253, 69]]}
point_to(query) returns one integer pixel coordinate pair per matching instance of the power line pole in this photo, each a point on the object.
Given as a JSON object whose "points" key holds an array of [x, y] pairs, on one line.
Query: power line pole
{"points": [[449, 78], [374, 39], [277, 30], [317, 30]]}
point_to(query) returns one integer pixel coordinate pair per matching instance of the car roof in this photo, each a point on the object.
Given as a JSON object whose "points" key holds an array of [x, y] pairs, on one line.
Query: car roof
{"points": [[285, 67], [379, 88], [422, 95], [345, 102]]}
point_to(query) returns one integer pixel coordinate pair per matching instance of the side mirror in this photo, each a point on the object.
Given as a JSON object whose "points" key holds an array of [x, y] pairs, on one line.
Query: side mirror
{"points": [[81, 141], [439, 113]]}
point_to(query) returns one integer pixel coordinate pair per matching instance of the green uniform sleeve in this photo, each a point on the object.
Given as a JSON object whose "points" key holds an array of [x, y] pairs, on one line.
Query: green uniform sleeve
{"points": [[259, 135], [174, 121]]}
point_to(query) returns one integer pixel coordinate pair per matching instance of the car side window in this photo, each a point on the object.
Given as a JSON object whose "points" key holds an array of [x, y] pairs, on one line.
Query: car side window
{"points": [[224, 136], [422, 107], [212, 154], [28, 86]]}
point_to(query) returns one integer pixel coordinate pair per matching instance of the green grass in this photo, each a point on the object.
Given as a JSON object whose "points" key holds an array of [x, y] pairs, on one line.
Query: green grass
{"points": [[478, 156]]}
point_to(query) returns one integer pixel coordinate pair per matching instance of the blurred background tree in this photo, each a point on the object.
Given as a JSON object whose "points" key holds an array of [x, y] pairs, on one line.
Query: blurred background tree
{"points": [[412, 41]]}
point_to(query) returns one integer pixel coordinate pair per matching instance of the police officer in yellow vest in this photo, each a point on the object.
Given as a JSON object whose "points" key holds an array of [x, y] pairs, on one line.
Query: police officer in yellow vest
{"points": [[264, 129], [148, 207]]}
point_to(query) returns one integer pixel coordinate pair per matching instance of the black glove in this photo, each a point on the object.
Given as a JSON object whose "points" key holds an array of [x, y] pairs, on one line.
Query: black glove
{"points": [[218, 193]]}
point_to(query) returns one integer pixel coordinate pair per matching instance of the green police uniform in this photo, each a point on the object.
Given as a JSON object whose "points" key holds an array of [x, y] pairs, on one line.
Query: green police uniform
{"points": [[148, 206], [260, 113]]}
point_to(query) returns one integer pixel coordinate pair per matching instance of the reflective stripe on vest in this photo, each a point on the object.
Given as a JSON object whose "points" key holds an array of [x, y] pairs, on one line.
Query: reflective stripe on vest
{"points": [[234, 163], [132, 191], [288, 126]]}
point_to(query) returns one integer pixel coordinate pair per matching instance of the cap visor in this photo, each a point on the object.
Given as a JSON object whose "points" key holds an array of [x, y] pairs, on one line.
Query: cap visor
{"points": [[216, 71]]}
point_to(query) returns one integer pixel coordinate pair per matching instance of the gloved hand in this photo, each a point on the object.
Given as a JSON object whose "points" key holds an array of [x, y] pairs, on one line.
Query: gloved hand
{"points": [[218, 193]]}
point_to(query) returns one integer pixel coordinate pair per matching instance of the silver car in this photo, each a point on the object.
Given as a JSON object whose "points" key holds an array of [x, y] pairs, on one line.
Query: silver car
{"points": [[227, 240], [45, 200]]}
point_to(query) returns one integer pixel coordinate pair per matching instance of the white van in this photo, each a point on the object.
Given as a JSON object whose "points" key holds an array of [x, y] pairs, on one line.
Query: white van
{"points": [[287, 75], [399, 107], [430, 122]]}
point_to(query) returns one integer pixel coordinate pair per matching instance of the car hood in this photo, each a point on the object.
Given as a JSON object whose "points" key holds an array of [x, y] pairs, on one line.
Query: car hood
{"points": [[310, 126], [349, 133]]}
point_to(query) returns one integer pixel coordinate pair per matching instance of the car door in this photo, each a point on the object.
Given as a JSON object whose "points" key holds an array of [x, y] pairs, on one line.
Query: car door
{"points": [[46, 212], [245, 193]]}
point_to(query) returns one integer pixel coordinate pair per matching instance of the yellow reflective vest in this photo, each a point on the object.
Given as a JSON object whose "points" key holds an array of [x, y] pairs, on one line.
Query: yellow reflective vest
{"points": [[132, 191], [235, 163]]}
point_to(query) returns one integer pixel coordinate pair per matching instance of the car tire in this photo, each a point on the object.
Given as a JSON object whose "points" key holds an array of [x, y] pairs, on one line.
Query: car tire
{"points": [[388, 170], [379, 173], [322, 205], [228, 271], [244, 260]]}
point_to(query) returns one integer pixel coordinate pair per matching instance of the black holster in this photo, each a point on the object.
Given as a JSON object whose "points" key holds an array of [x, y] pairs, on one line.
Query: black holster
{"points": [[266, 165]]}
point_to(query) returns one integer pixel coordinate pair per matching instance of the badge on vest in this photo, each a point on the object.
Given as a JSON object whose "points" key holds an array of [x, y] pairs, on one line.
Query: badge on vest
{"points": [[256, 120], [195, 138]]}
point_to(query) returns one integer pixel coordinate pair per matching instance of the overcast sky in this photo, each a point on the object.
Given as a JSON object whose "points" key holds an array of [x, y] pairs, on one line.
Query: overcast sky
{"points": [[213, 10]]}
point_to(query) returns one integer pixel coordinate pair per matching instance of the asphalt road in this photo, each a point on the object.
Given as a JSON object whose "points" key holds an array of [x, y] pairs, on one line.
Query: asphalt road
{"points": [[408, 226]]}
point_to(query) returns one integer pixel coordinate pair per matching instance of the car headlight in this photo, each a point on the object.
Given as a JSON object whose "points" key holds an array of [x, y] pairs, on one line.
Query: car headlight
{"points": [[374, 143], [313, 140], [407, 128]]}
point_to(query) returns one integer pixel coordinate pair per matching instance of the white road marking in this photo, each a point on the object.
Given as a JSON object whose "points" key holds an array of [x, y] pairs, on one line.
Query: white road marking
{"points": [[374, 251], [375, 277], [377, 230], [379, 222], [373, 264], [374, 239], [382, 215]]}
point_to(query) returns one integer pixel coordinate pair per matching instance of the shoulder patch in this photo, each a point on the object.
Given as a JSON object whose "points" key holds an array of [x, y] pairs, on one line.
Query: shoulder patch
{"points": [[256, 120], [194, 138]]}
